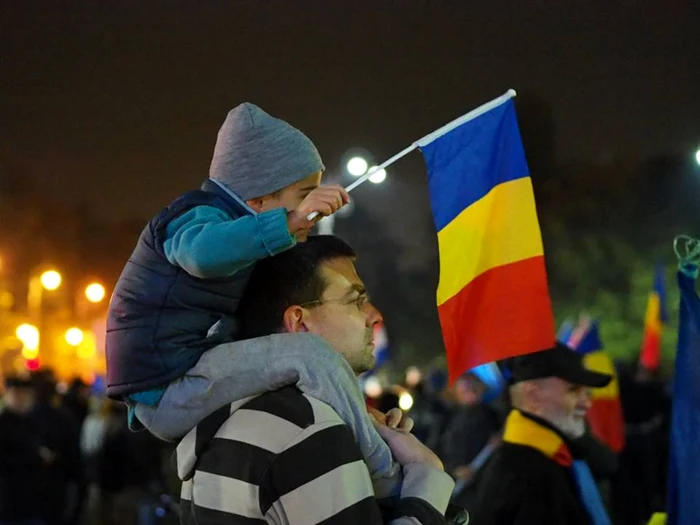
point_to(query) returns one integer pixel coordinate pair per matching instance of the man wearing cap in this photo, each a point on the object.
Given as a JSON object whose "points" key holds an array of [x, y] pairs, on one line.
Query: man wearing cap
{"points": [[539, 474]]}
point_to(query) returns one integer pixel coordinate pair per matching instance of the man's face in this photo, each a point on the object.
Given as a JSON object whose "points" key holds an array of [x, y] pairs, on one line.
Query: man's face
{"points": [[469, 390], [565, 405], [343, 316]]}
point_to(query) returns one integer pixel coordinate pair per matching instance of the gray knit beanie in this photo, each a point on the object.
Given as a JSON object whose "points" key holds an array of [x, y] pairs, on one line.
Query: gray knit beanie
{"points": [[257, 154]]}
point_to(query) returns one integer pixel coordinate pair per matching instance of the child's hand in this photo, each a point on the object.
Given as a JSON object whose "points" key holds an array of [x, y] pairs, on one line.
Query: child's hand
{"points": [[325, 201]]}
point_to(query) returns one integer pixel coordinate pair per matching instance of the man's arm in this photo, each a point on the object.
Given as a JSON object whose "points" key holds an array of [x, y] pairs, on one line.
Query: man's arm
{"points": [[321, 478]]}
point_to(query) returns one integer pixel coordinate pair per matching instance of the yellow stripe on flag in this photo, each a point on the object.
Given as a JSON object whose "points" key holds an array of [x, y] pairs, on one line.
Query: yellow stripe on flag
{"points": [[600, 362], [499, 229], [652, 319]]}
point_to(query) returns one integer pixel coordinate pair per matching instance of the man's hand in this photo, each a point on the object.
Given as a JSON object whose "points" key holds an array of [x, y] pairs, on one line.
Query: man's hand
{"points": [[324, 200], [395, 418], [405, 447]]}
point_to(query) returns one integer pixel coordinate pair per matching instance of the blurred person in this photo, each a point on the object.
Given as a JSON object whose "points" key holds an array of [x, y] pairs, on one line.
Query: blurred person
{"points": [[538, 475], [61, 432], [124, 467], [76, 400], [432, 409], [639, 488], [24, 458], [471, 436], [285, 457]]}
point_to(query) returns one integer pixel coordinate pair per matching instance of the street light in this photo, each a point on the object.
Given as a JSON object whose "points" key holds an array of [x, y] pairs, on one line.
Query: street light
{"points": [[405, 401], [697, 156], [74, 336], [51, 280], [357, 166], [378, 177], [95, 292], [29, 335]]}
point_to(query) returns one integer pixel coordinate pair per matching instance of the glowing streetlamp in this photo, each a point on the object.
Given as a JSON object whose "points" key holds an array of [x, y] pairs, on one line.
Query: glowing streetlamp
{"points": [[95, 292], [74, 336], [357, 166], [379, 177], [51, 280], [697, 156], [29, 335], [405, 401]]}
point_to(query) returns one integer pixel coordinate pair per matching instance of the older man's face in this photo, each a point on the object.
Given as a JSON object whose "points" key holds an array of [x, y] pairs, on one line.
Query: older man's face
{"points": [[344, 316], [566, 405]]}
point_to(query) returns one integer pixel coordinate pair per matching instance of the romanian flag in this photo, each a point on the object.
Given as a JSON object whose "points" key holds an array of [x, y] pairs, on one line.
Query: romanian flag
{"points": [[656, 316], [605, 415], [684, 472], [493, 299]]}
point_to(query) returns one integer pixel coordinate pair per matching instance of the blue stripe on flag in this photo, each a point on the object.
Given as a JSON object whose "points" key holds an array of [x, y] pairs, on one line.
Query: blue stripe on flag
{"points": [[469, 161]]}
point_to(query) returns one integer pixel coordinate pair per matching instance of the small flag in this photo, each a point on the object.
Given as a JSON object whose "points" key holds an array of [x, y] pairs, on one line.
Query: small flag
{"points": [[605, 415], [492, 378], [565, 332], [381, 345], [493, 299], [656, 316], [684, 475]]}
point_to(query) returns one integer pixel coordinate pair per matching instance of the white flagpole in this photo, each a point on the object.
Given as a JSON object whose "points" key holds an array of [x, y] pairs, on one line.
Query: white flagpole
{"points": [[428, 139]]}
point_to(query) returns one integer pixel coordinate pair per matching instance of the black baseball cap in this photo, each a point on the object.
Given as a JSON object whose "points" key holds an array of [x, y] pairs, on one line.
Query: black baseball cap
{"points": [[560, 361]]}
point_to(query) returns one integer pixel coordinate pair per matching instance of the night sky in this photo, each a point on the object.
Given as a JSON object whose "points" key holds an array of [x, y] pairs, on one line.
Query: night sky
{"points": [[117, 103]]}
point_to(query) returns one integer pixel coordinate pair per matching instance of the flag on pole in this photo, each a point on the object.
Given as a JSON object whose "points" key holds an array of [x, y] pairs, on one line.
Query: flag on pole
{"points": [[493, 299], [381, 345], [565, 332], [684, 474], [492, 378], [656, 316], [605, 415]]}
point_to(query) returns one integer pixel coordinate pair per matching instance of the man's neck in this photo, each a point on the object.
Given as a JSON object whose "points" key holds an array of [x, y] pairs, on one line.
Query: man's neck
{"points": [[532, 431]]}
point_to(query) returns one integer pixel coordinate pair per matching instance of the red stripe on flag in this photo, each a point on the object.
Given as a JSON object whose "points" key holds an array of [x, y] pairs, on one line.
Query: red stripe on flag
{"points": [[504, 312], [651, 349], [607, 423]]}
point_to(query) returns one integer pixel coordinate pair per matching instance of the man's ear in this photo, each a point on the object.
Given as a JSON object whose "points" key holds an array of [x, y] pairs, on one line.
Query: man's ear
{"points": [[294, 320], [256, 204]]}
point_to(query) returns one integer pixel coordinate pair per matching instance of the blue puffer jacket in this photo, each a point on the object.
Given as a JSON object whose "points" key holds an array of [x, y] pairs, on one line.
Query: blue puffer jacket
{"points": [[160, 317]]}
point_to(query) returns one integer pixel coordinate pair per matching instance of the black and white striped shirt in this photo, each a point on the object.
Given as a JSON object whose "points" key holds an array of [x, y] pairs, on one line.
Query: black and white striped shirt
{"points": [[287, 458]]}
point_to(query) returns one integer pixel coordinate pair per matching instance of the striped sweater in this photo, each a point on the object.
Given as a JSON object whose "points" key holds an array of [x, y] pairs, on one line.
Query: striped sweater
{"points": [[287, 458]]}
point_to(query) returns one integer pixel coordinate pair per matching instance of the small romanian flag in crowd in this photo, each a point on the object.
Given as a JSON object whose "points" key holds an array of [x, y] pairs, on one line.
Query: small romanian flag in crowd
{"points": [[656, 316], [493, 299], [605, 415]]}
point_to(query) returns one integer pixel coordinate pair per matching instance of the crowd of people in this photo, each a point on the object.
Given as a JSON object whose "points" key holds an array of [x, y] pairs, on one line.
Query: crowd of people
{"points": [[69, 458]]}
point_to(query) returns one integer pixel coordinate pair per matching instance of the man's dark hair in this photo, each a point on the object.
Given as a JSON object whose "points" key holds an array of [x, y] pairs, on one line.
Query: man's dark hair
{"points": [[292, 277]]}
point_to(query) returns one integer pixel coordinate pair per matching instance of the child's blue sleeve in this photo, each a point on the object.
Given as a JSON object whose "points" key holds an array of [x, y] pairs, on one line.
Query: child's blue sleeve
{"points": [[207, 243]]}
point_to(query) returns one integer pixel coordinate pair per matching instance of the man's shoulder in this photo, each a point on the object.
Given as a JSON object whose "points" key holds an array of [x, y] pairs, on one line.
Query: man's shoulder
{"points": [[270, 421]]}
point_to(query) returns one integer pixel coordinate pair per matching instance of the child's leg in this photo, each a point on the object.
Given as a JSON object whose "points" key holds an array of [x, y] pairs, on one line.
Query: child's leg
{"points": [[236, 372]]}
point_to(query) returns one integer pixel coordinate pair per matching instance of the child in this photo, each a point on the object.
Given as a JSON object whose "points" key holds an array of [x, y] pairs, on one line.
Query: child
{"points": [[177, 297]]}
